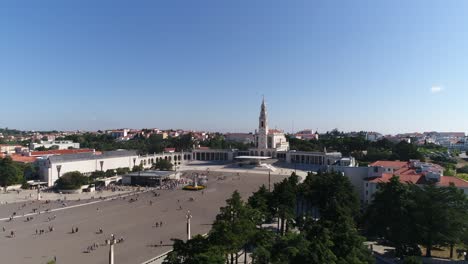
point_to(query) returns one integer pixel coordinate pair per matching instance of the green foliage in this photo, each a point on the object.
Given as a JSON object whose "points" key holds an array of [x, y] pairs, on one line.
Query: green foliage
{"points": [[163, 164], [234, 225], [122, 171], [25, 186], [331, 238], [219, 142], [411, 215], [449, 172], [153, 144], [283, 201], [375, 154], [356, 145], [10, 172], [97, 174], [194, 251], [440, 215], [304, 145], [260, 200], [412, 260], [71, 181], [389, 216], [137, 168], [463, 169], [338, 205], [332, 141], [332, 193], [406, 151], [447, 162], [110, 173]]}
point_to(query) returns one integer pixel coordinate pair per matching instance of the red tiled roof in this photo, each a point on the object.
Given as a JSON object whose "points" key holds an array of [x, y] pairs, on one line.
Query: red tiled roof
{"points": [[19, 158], [275, 131], [169, 149], [421, 179], [446, 180], [60, 152], [390, 164]]}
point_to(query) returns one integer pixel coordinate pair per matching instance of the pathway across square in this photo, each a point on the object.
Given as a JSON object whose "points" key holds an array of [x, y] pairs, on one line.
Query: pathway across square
{"points": [[134, 221]]}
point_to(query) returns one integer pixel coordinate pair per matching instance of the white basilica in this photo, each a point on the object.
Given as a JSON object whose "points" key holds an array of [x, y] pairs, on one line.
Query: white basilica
{"points": [[268, 142]]}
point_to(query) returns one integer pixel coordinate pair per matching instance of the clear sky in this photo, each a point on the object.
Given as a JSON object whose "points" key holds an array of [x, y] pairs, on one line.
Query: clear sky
{"points": [[387, 66]]}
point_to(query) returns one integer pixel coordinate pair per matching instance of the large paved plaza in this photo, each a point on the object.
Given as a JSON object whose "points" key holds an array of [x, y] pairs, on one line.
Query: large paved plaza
{"points": [[134, 221]]}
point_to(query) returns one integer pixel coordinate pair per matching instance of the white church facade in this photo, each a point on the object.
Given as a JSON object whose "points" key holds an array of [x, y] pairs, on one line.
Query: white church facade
{"points": [[272, 143], [268, 142]]}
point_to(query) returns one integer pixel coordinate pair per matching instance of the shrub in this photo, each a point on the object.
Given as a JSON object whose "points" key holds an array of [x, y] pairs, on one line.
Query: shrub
{"points": [[71, 181], [412, 260], [463, 169]]}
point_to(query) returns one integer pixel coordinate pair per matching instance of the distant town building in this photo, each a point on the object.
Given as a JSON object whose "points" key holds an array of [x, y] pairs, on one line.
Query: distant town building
{"points": [[9, 149], [373, 136], [366, 179], [119, 133], [307, 134], [60, 144]]}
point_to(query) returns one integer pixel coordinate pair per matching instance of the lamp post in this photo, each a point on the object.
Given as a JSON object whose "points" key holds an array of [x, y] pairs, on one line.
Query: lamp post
{"points": [[269, 180], [111, 242], [188, 216]]}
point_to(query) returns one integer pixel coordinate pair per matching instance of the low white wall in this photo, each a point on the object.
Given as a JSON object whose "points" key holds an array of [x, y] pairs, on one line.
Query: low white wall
{"points": [[13, 187]]}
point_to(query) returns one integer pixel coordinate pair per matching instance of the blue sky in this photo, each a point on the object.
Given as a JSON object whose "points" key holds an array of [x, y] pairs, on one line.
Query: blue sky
{"points": [[388, 66]]}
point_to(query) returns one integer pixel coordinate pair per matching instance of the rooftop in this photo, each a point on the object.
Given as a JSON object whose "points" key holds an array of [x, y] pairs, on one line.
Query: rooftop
{"points": [[389, 164], [151, 173], [19, 158], [92, 156], [59, 152], [421, 179]]}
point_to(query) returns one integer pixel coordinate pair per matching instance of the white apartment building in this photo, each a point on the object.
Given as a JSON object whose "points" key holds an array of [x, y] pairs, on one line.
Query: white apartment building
{"points": [[61, 144]]}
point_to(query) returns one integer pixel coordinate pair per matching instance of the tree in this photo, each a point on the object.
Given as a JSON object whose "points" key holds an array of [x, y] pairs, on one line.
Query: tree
{"points": [[122, 171], [463, 169], [440, 215], [97, 174], [71, 181], [9, 172], [163, 164], [291, 248], [334, 197], [261, 201], [110, 173], [137, 168], [262, 242], [284, 201], [389, 216], [195, 251], [234, 226], [406, 151], [321, 244], [332, 193]]}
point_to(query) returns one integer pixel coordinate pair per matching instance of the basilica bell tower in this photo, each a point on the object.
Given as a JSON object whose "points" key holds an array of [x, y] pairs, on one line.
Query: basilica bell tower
{"points": [[262, 134]]}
